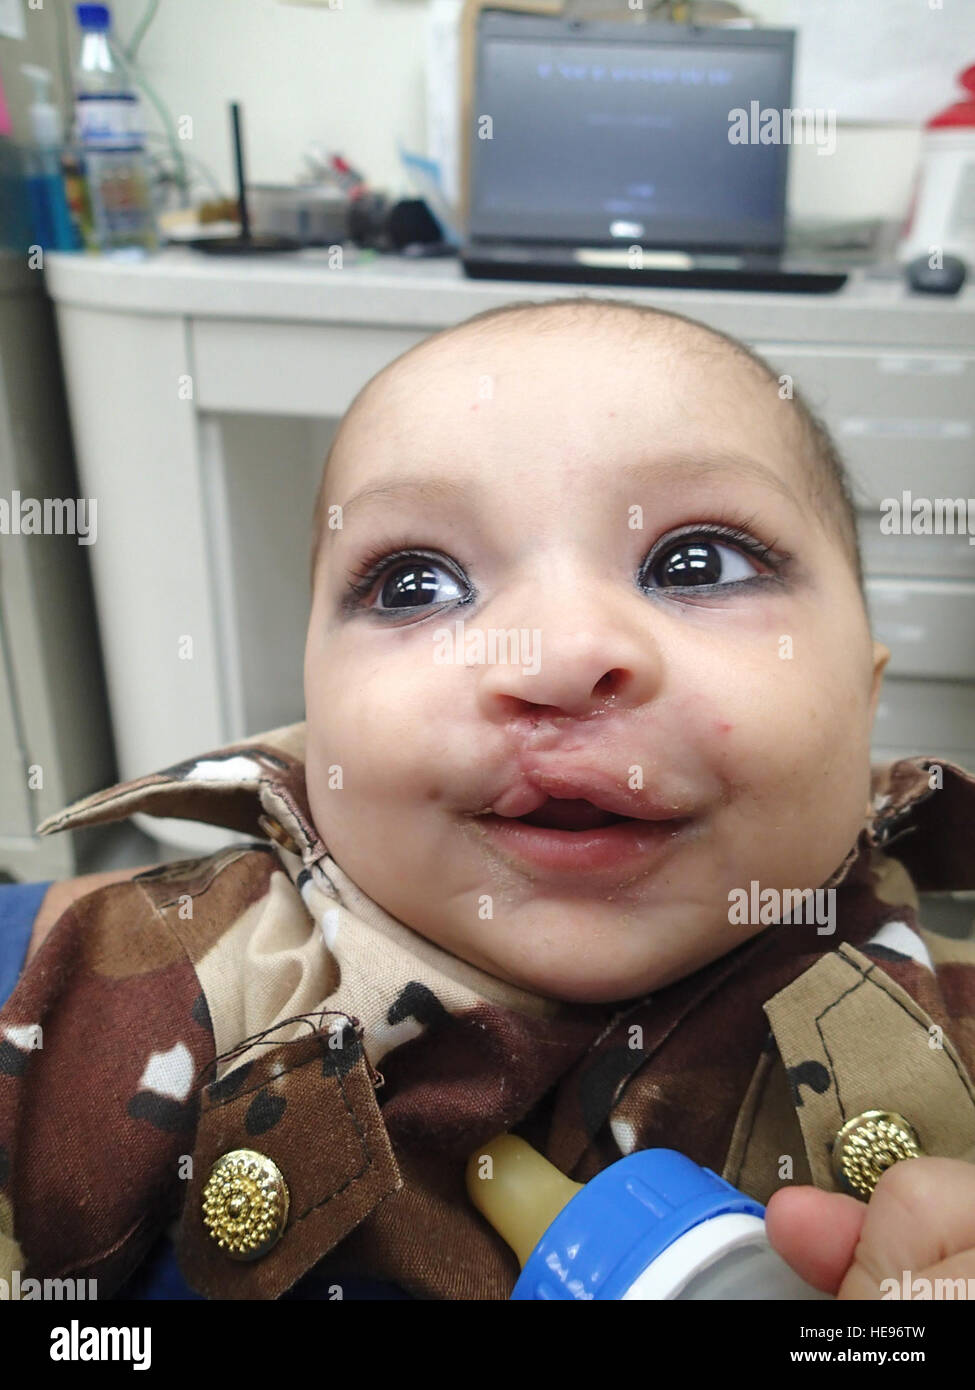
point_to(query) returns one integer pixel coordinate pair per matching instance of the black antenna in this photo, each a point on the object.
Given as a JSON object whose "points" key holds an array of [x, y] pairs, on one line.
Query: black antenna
{"points": [[235, 124], [246, 243]]}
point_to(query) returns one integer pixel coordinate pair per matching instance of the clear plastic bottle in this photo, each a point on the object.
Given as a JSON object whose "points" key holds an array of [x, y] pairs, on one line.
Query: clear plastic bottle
{"points": [[654, 1225], [110, 136]]}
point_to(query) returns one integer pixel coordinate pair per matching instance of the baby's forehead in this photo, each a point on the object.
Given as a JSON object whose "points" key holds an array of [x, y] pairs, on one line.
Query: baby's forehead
{"points": [[617, 367], [593, 362]]}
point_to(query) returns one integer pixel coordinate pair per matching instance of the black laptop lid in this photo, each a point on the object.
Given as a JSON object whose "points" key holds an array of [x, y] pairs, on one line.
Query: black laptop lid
{"points": [[609, 134]]}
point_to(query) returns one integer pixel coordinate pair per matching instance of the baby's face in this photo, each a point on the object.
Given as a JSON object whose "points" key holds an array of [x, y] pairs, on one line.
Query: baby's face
{"points": [[567, 492]]}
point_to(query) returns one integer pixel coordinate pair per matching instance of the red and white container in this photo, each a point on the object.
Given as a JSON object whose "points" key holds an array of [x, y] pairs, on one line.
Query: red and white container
{"points": [[942, 216]]}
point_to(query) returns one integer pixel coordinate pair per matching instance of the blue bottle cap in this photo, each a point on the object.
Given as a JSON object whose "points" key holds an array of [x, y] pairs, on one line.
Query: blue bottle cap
{"points": [[621, 1221], [93, 16]]}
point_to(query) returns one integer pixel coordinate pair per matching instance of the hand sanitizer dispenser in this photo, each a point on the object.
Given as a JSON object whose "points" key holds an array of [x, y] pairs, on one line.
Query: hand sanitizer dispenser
{"points": [[52, 226]]}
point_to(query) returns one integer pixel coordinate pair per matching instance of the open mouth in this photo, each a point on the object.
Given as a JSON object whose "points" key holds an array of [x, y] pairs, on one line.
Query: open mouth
{"points": [[560, 814], [571, 840]]}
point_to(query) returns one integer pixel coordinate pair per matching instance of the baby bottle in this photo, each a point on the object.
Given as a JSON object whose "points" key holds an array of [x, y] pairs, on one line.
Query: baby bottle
{"points": [[653, 1225]]}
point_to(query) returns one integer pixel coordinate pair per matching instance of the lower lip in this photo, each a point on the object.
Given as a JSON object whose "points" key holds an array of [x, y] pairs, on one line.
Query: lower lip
{"points": [[625, 845]]}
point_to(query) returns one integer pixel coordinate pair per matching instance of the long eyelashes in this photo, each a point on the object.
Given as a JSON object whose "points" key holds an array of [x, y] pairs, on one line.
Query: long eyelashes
{"points": [[380, 560], [769, 555], [375, 563]]}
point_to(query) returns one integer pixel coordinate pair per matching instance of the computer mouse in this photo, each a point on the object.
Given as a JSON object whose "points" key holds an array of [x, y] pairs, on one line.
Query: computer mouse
{"points": [[947, 278]]}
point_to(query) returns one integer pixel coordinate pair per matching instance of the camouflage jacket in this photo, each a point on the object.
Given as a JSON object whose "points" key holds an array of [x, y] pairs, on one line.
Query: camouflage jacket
{"points": [[256, 999]]}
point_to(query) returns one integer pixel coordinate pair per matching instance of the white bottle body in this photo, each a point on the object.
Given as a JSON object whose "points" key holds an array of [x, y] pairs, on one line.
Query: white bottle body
{"points": [[944, 212], [727, 1257]]}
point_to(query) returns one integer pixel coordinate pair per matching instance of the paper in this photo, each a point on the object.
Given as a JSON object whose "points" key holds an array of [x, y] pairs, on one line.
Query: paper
{"points": [[880, 61], [443, 94]]}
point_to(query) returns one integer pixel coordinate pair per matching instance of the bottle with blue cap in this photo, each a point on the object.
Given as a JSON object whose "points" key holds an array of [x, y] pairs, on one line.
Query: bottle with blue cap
{"points": [[653, 1225], [110, 137]]}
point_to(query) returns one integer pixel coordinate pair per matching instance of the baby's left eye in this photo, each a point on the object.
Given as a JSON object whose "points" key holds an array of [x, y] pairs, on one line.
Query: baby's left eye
{"points": [[697, 563]]}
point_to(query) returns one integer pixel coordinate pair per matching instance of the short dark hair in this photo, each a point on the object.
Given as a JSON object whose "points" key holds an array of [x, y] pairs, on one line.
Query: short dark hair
{"points": [[828, 481]]}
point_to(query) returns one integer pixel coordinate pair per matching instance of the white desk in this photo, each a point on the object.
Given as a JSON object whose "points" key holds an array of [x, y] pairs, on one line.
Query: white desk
{"points": [[204, 393]]}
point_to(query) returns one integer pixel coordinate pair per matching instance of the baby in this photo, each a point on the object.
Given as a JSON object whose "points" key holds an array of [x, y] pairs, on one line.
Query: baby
{"points": [[631, 488], [588, 659]]}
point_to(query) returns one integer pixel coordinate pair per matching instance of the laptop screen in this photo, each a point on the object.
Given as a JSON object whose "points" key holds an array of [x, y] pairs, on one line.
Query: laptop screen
{"points": [[603, 134]]}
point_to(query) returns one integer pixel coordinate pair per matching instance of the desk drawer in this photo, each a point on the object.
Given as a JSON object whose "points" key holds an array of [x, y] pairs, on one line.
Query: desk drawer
{"points": [[929, 626], [250, 365], [855, 383], [950, 557], [901, 420], [925, 465], [920, 716]]}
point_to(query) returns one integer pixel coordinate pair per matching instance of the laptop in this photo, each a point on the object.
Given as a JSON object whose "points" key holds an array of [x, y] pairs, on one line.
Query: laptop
{"points": [[633, 154]]}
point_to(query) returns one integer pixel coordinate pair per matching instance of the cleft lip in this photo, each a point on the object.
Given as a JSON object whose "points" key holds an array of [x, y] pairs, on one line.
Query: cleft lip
{"points": [[533, 788]]}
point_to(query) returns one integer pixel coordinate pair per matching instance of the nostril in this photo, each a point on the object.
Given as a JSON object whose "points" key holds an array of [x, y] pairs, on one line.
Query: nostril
{"points": [[609, 684]]}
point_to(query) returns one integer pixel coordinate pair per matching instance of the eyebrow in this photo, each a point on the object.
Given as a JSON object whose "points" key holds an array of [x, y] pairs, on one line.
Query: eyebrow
{"points": [[433, 490], [698, 467]]}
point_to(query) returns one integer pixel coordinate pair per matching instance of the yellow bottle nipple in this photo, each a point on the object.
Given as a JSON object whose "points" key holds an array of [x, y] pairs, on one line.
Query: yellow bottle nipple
{"points": [[517, 1190]]}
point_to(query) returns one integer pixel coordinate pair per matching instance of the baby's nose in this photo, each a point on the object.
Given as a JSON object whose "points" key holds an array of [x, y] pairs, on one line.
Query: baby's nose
{"points": [[574, 673]]}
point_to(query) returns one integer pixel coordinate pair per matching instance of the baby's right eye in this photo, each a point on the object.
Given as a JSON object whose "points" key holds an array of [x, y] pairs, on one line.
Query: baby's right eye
{"points": [[409, 582], [415, 584]]}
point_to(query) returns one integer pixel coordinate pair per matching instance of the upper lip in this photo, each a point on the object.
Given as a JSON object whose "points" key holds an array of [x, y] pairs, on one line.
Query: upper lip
{"points": [[533, 788]]}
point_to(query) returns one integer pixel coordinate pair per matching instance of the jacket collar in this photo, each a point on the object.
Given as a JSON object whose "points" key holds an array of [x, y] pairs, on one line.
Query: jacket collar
{"points": [[255, 786]]}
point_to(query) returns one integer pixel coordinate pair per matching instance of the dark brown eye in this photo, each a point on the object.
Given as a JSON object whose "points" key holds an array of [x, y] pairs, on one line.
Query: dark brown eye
{"points": [[416, 584], [698, 563]]}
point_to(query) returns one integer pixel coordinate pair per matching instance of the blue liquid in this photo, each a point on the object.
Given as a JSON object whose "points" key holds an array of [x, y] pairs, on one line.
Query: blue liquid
{"points": [[52, 227]]}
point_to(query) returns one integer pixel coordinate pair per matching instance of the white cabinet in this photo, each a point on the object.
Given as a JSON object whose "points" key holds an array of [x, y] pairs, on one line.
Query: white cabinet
{"points": [[55, 741], [204, 395]]}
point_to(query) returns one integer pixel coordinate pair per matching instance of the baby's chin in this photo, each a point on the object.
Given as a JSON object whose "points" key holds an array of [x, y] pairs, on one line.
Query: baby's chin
{"points": [[608, 987], [610, 967]]}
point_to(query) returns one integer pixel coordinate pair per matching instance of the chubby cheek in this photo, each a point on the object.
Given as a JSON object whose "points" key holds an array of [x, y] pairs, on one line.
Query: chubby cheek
{"points": [[374, 744], [788, 740]]}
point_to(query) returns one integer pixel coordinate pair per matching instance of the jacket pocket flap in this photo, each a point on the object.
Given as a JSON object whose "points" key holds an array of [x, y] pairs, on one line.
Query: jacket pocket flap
{"points": [[307, 1110], [851, 1041]]}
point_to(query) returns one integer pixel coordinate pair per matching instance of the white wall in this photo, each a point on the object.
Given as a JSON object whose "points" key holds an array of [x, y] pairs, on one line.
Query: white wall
{"points": [[354, 79]]}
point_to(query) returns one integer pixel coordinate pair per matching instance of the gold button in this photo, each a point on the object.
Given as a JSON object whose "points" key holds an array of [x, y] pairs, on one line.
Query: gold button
{"points": [[245, 1204], [867, 1146]]}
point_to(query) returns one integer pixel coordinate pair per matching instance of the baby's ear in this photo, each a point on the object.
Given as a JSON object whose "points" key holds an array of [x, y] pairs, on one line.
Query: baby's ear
{"points": [[881, 656]]}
